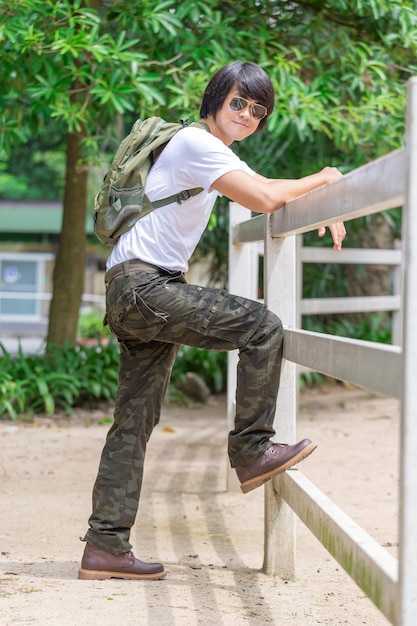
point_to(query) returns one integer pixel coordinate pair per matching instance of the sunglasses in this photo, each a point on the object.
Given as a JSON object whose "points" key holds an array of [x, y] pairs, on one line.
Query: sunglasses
{"points": [[258, 111]]}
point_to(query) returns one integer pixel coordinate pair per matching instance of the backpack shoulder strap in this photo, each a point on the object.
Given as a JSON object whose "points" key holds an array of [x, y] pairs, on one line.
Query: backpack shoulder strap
{"points": [[201, 125], [187, 193]]}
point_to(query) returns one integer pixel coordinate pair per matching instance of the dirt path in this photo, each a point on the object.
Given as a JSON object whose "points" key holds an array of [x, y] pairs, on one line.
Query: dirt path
{"points": [[210, 540]]}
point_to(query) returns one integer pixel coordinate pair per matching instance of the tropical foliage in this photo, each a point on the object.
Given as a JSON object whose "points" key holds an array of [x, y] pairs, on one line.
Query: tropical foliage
{"points": [[85, 376], [61, 379]]}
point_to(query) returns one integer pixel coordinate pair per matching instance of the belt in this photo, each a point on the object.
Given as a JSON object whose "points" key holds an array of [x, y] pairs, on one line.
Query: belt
{"points": [[125, 268]]}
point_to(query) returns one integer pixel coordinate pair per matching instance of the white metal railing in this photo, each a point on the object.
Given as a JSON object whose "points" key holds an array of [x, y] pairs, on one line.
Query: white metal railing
{"points": [[387, 182]]}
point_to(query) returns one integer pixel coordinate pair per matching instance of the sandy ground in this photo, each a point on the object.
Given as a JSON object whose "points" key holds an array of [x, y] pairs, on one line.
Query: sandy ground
{"points": [[210, 539]]}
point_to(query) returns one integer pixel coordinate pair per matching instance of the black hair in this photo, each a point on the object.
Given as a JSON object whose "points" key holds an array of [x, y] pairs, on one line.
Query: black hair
{"points": [[251, 81]]}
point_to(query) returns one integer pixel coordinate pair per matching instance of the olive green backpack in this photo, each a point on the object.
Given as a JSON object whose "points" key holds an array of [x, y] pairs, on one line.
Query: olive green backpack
{"points": [[121, 200]]}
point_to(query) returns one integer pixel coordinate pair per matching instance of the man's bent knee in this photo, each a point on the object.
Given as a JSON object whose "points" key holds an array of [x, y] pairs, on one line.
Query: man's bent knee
{"points": [[270, 329]]}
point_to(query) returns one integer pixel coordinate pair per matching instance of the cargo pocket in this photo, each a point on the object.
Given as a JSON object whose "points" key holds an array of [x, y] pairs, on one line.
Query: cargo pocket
{"points": [[148, 322], [134, 319], [210, 302], [227, 317]]}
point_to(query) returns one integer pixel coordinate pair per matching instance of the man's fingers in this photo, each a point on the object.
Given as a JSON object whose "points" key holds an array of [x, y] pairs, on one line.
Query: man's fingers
{"points": [[338, 233]]}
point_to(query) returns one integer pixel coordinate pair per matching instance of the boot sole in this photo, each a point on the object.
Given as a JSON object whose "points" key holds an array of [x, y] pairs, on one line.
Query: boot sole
{"points": [[91, 574], [257, 481]]}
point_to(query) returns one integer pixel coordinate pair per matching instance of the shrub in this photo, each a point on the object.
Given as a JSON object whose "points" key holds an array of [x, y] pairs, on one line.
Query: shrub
{"points": [[59, 379], [210, 365], [90, 326], [82, 375]]}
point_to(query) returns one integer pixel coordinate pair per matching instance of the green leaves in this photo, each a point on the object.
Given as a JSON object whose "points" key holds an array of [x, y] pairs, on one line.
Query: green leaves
{"points": [[161, 20], [337, 67], [12, 397], [70, 67], [59, 380], [209, 364]]}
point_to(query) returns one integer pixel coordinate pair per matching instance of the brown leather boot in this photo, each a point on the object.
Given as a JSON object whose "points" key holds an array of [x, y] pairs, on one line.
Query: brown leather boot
{"points": [[97, 564], [277, 458]]}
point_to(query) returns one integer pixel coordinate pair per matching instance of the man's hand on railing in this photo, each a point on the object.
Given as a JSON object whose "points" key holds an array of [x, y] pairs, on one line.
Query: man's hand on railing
{"points": [[338, 232]]}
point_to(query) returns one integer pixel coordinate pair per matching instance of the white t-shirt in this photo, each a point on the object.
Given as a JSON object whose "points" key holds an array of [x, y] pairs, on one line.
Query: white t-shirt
{"points": [[167, 236]]}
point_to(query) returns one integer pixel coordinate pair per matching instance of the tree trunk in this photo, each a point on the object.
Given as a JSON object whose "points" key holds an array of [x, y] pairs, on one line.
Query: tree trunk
{"points": [[68, 280]]}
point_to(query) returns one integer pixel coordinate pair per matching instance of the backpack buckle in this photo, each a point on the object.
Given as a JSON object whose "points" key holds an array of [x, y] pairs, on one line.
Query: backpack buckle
{"points": [[183, 195]]}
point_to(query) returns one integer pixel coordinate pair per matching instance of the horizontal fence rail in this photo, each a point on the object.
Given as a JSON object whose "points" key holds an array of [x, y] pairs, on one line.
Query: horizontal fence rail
{"points": [[369, 189], [372, 567], [311, 306], [367, 364]]}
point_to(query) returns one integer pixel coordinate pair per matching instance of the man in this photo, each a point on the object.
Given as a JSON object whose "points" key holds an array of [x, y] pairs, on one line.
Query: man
{"points": [[152, 310]]}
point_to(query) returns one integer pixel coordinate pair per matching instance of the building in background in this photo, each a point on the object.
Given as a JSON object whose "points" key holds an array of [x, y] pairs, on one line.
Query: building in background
{"points": [[29, 234]]}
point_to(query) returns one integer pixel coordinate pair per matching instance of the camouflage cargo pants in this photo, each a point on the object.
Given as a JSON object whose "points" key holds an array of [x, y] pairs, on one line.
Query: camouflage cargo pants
{"points": [[152, 312]]}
